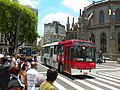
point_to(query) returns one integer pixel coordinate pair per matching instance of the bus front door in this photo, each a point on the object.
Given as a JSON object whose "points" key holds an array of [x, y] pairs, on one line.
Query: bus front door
{"points": [[51, 56], [67, 59]]}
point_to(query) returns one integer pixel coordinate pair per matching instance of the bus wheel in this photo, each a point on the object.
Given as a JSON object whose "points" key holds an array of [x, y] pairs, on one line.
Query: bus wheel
{"points": [[61, 68]]}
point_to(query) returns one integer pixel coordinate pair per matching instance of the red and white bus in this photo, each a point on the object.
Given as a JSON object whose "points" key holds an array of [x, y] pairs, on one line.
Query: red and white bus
{"points": [[75, 57]]}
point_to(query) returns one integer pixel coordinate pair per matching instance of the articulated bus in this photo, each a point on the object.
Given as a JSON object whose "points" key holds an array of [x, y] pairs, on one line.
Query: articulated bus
{"points": [[75, 57]]}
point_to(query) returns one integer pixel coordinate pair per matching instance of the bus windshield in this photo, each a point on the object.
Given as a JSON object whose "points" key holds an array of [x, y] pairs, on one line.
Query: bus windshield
{"points": [[82, 53]]}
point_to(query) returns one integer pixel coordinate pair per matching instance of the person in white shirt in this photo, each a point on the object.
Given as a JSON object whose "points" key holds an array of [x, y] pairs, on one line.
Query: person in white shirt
{"points": [[13, 60], [31, 74]]}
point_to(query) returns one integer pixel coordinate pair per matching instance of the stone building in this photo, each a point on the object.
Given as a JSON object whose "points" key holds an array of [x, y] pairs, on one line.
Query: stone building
{"points": [[99, 23], [53, 32]]}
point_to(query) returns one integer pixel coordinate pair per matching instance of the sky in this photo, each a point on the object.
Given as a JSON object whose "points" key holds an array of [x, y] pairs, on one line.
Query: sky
{"points": [[56, 10]]}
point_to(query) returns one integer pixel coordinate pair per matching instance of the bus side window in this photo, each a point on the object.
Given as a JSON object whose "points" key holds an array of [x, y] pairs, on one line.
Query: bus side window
{"points": [[42, 51], [72, 53], [61, 49], [47, 49], [67, 53], [56, 49]]}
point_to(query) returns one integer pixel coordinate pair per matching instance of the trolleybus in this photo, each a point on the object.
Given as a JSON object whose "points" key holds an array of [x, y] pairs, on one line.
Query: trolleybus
{"points": [[75, 57]]}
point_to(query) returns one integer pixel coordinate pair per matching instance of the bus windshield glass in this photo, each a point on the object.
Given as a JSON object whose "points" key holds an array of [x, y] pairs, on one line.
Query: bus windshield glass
{"points": [[82, 53]]}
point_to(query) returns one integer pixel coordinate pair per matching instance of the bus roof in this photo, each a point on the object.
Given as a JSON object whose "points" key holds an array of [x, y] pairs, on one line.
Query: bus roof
{"points": [[74, 40], [50, 44], [66, 42]]}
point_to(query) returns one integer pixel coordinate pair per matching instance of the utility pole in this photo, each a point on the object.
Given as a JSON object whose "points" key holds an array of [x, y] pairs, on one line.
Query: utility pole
{"points": [[17, 34]]}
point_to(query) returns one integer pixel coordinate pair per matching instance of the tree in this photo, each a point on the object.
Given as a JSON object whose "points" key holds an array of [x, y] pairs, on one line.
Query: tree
{"points": [[10, 12], [14, 0]]}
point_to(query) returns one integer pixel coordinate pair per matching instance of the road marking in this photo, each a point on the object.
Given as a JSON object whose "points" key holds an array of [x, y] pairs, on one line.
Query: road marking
{"points": [[60, 87], [104, 66], [107, 78], [107, 69], [116, 74], [102, 84], [109, 75], [71, 83], [89, 85], [107, 81]]}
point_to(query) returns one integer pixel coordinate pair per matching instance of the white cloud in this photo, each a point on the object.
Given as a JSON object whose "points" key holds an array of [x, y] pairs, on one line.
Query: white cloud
{"points": [[32, 3], [60, 16], [76, 5], [49, 18]]}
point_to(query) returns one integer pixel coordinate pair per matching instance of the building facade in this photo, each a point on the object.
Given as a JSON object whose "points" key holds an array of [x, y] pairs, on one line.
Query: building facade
{"points": [[53, 32], [99, 23]]}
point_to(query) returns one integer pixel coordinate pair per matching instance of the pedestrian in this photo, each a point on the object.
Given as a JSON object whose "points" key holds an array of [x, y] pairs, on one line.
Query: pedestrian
{"points": [[51, 77], [8, 62], [40, 78], [24, 74], [13, 60], [31, 74], [15, 82]]}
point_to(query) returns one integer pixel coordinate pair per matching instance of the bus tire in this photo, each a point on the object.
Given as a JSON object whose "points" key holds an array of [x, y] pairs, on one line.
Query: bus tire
{"points": [[60, 68]]}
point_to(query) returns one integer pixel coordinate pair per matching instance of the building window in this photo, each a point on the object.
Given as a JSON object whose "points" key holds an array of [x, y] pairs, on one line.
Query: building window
{"points": [[92, 38], [117, 15], [103, 42], [119, 42], [101, 17]]}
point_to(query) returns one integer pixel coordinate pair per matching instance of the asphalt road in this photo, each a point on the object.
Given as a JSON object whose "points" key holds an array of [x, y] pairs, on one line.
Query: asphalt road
{"points": [[107, 77]]}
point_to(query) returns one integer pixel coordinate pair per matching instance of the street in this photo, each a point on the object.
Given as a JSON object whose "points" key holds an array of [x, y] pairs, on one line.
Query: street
{"points": [[107, 77]]}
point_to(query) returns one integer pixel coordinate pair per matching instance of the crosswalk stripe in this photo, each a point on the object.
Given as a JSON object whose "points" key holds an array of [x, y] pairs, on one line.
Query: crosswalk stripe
{"points": [[60, 87], [104, 66], [102, 84], [88, 84], [107, 78], [107, 69], [116, 74], [71, 83], [109, 75], [107, 81]]}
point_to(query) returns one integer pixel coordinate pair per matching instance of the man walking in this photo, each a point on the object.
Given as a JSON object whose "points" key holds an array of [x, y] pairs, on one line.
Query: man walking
{"points": [[31, 74]]}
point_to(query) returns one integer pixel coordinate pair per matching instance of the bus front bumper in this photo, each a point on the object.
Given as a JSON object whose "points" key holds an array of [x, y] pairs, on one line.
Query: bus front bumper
{"points": [[82, 71]]}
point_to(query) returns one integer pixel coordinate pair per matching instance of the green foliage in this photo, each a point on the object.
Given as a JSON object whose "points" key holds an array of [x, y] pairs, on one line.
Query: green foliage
{"points": [[14, 0], [9, 14]]}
